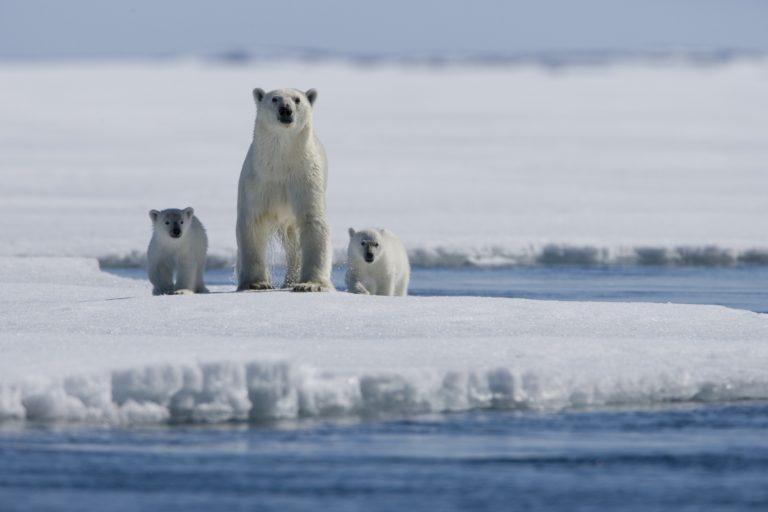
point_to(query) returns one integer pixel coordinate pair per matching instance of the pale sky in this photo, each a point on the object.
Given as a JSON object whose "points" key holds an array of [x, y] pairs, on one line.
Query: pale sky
{"points": [[133, 28]]}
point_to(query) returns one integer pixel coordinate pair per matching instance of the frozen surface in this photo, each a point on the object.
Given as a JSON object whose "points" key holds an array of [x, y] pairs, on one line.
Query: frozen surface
{"points": [[468, 165], [629, 163], [81, 345]]}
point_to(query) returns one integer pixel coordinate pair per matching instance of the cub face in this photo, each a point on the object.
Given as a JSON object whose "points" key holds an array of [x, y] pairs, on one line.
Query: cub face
{"points": [[366, 243], [285, 108], [172, 222]]}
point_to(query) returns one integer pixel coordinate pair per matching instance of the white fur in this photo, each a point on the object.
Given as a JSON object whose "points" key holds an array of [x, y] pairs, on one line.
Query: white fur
{"points": [[387, 274], [282, 190], [184, 256]]}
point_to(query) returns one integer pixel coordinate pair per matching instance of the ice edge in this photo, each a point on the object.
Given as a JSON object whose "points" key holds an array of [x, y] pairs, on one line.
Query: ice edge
{"points": [[259, 391]]}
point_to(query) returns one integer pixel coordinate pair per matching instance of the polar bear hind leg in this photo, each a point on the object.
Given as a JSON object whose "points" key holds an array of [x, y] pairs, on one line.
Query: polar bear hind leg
{"points": [[289, 237]]}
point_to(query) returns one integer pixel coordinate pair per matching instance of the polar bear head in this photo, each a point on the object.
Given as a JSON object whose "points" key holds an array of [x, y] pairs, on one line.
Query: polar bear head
{"points": [[366, 244], [286, 109], [172, 222]]}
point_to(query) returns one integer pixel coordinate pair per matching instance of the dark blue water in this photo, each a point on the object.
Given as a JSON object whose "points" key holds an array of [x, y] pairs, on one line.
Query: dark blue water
{"points": [[712, 458], [743, 286], [675, 458]]}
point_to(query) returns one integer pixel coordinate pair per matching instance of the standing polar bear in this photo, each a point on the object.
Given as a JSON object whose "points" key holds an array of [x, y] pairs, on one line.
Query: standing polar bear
{"points": [[178, 246], [282, 190], [377, 263]]}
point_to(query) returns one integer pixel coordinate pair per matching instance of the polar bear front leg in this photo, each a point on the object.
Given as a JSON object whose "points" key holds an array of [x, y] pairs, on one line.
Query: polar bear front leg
{"points": [[185, 278], [199, 280], [161, 277], [353, 281], [402, 287], [189, 278], [315, 236], [389, 288], [252, 239]]}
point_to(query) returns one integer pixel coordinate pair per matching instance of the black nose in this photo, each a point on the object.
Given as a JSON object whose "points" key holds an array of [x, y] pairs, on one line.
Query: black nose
{"points": [[369, 257], [285, 111], [176, 231]]}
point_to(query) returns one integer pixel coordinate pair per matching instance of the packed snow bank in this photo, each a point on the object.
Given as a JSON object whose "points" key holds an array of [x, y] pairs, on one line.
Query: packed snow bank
{"points": [[509, 165], [77, 344]]}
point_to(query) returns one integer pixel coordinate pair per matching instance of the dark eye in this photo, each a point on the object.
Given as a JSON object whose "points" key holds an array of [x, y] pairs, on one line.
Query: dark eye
{"points": [[182, 222], [375, 245], [274, 100], [362, 243], [167, 223], [297, 100]]}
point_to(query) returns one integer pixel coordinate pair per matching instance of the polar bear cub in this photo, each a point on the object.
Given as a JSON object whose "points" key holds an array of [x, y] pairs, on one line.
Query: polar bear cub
{"points": [[377, 263], [282, 191], [178, 246]]}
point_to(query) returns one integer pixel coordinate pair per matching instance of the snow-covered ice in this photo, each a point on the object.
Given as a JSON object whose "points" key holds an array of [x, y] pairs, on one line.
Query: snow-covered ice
{"points": [[81, 345], [468, 165]]}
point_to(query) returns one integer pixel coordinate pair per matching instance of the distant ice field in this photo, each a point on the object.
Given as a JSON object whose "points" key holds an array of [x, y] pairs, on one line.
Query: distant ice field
{"points": [[626, 164]]}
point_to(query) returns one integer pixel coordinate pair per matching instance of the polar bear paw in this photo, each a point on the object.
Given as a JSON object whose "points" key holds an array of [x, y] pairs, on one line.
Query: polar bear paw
{"points": [[184, 291], [314, 286], [261, 285], [359, 288]]}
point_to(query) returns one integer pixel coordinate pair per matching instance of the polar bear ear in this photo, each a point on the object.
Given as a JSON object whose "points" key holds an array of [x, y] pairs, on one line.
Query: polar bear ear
{"points": [[311, 96], [153, 215], [351, 232], [189, 212], [258, 94]]}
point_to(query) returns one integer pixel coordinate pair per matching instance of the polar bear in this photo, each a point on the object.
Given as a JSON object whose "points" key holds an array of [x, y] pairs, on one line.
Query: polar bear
{"points": [[179, 246], [377, 263], [282, 191]]}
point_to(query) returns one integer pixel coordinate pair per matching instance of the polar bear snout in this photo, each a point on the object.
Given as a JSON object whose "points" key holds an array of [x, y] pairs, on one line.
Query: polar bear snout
{"points": [[175, 230], [285, 114], [369, 249]]}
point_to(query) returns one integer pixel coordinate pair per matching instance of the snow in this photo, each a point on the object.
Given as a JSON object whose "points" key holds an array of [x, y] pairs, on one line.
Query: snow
{"points": [[77, 344], [469, 165], [631, 163]]}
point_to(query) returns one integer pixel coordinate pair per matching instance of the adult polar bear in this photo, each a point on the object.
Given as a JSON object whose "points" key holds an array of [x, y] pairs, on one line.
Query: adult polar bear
{"points": [[282, 190]]}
